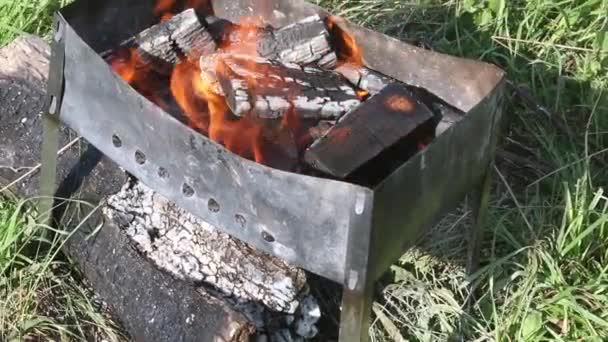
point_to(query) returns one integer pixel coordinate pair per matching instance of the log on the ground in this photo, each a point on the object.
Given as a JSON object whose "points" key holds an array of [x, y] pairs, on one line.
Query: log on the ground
{"points": [[364, 78], [377, 124], [269, 89], [165, 44], [193, 250], [151, 305], [304, 42]]}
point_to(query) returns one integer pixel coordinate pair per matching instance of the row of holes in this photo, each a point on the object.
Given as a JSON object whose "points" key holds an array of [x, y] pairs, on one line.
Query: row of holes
{"points": [[187, 190]]}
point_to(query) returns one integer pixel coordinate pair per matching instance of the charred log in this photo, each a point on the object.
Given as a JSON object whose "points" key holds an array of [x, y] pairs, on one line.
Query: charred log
{"points": [[193, 250], [379, 123], [364, 78], [270, 89], [304, 42], [165, 44]]}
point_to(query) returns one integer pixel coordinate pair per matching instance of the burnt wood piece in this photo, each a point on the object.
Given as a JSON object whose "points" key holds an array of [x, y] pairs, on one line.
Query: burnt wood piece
{"points": [[364, 78], [167, 43], [304, 42], [364, 133], [269, 89], [136, 291], [191, 249]]}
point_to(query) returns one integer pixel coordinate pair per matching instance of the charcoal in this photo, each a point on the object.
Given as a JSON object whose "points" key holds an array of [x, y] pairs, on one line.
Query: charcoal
{"points": [[364, 78], [304, 42], [270, 89], [165, 44]]}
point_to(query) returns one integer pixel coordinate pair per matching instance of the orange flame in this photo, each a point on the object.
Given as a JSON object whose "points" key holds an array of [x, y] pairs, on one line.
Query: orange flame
{"points": [[242, 136], [182, 87], [166, 9], [349, 50], [124, 63]]}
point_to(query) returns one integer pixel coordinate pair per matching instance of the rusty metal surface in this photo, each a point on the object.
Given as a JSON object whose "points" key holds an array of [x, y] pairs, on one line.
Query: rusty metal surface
{"points": [[306, 221]]}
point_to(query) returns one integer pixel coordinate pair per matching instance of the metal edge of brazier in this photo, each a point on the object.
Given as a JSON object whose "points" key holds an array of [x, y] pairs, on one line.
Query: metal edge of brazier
{"points": [[320, 242]]}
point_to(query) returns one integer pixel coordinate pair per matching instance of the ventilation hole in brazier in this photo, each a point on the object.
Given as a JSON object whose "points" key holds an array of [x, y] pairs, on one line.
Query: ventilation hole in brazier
{"points": [[213, 206], [240, 219], [116, 141], [267, 237], [163, 173], [140, 157], [187, 190]]}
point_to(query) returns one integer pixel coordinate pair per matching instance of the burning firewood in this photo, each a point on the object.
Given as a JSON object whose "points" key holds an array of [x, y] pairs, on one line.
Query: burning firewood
{"points": [[304, 42], [379, 123], [163, 45], [364, 78], [270, 89]]}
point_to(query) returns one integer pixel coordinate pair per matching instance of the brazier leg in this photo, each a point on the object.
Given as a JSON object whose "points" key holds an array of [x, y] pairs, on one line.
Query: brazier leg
{"points": [[480, 198], [356, 313], [48, 174]]}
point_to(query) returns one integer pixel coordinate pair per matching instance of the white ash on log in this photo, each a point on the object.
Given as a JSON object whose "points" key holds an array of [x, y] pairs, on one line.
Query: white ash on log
{"points": [[304, 42], [379, 123], [269, 89], [364, 78], [163, 45], [191, 249]]}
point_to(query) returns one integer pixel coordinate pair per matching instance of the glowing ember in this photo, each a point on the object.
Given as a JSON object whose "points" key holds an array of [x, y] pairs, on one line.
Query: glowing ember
{"points": [[124, 63], [350, 52], [362, 94], [399, 103]]}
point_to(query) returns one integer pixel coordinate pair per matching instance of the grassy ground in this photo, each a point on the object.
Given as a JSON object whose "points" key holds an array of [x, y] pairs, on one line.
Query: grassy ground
{"points": [[545, 262], [41, 296]]}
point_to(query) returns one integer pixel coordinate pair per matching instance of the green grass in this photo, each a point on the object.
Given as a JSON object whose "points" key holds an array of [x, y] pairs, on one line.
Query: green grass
{"points": [[545, 261], [26, 16], [545, 274], [41, 297]]}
